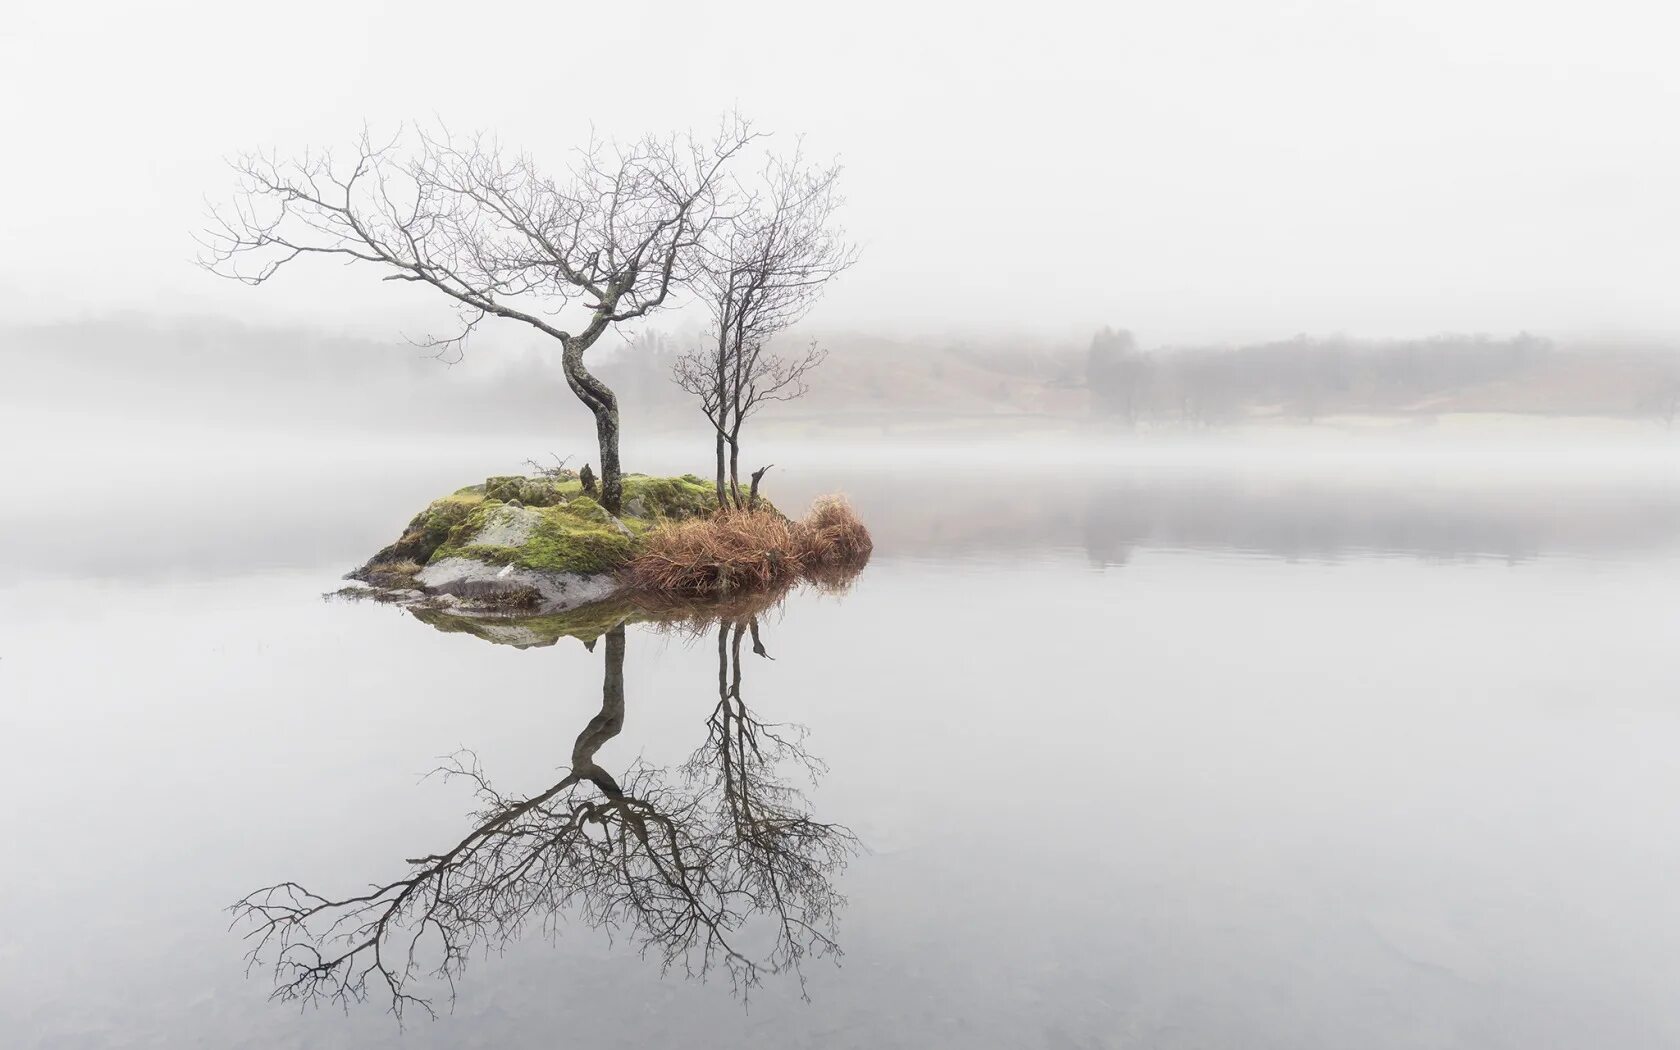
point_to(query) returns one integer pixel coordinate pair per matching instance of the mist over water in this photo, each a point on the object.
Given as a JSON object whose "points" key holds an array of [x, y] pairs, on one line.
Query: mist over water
{"points": [[1264, 417], [1263, 737]]}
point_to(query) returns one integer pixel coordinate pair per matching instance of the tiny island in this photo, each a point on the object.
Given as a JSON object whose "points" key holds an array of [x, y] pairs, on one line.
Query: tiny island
{"points": [[527, 560]]}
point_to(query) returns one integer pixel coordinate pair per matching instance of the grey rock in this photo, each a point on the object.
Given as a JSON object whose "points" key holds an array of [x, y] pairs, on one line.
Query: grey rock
{"points": [[467, 577]]}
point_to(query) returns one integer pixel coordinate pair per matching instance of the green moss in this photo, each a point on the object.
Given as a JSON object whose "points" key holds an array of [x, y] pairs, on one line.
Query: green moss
{"points": [[574, 533], [663, 499], [532, 492], [430, 529], [577, 536]]}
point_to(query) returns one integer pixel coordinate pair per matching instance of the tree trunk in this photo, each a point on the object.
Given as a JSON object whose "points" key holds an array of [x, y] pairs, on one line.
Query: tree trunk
{"points": [[752, 490], [603, 404], [612, 475], [723, 498], [735, 469]]}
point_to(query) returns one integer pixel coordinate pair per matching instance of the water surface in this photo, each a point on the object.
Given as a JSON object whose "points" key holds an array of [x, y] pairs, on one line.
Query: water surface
{"points": [[1132, 757]]}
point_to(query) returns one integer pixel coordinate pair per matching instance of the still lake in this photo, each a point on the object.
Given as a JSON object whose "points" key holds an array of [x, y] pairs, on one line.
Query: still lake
{"points": [[1147, 753]]}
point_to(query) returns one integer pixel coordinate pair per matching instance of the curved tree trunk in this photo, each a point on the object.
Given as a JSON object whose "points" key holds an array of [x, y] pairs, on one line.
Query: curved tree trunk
{"points": [[612, 474], [603, 404]]}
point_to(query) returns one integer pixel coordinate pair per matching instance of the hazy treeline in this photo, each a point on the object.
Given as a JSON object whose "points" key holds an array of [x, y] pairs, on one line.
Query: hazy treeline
{"points": [[1307, 378], [232, 373]]}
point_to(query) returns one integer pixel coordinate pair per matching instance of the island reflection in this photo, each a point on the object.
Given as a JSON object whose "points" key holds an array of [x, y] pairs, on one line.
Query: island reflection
{"points": [[716, 865]]}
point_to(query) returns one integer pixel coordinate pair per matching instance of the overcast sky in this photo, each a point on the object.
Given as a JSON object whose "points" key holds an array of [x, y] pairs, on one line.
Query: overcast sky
{"points": [[1188, 169]]}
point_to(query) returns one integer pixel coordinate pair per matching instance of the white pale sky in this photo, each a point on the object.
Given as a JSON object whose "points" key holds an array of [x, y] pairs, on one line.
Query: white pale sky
{"points": [[1191, 169]]}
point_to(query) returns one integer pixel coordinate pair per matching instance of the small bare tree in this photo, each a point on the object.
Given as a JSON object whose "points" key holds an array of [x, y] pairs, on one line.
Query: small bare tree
{"points": [[766, 266], [494, 234], [558, 471]]}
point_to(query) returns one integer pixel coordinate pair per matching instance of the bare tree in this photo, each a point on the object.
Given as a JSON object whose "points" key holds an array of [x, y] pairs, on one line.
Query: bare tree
{"points": [[688, 864], [766, 265], [494, 234], [557, 471]]}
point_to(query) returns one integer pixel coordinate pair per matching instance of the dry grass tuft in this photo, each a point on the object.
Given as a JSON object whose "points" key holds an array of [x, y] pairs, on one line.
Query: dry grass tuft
{"points": [[752, 552], [737, 550], [832, 536]]}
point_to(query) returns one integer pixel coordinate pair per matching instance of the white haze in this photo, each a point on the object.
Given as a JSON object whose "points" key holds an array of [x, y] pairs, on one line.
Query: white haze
{"points": [[1191, 170]]}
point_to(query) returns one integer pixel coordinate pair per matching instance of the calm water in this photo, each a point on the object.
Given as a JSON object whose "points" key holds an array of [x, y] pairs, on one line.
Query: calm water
{"points": [[1132, 757]]}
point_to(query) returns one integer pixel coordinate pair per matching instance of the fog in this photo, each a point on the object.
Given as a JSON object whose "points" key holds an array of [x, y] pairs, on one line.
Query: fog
{"points": [[1255, 625], [1194, 171]]}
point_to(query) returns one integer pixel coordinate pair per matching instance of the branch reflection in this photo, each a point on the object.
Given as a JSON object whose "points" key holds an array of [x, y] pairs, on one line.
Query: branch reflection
{"points": [[717, 865]]}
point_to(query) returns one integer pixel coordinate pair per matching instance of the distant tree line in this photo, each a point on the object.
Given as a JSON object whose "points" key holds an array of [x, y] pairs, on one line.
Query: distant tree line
{"points": [[203, 368], [1306, 377]]}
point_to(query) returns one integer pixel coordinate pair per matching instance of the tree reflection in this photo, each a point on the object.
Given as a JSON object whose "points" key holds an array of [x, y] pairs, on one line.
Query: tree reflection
{"points": [[714, 866]]}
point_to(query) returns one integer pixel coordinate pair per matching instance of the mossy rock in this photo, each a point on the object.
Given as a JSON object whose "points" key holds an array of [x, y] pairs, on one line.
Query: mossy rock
{"points": [[661, 499], [428, 530], [577, 536], [530, 492], [544, 525]]}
